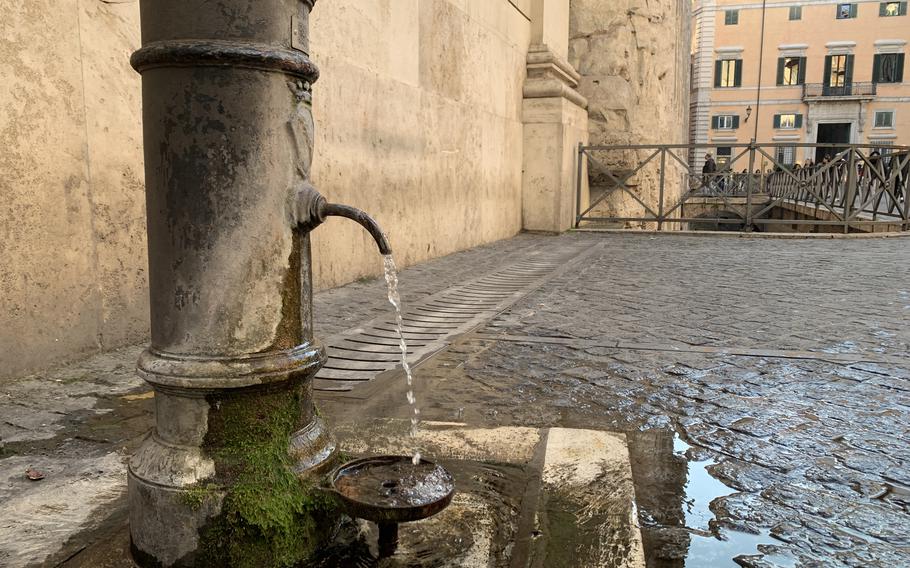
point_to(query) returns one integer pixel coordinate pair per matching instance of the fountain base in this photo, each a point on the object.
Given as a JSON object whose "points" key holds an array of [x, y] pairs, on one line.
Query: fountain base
{"points": [[389, 490]]}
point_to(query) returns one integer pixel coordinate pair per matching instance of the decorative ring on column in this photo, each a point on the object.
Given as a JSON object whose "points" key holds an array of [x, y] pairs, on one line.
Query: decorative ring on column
{"points": [[220, 53], [211, 372]]}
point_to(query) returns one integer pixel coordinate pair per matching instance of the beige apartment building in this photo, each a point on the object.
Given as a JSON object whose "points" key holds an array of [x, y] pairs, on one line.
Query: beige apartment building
{"points": [[831, 72]]}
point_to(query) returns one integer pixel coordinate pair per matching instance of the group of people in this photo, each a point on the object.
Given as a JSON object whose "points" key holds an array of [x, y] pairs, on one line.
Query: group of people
{"points": [[709, 169]]}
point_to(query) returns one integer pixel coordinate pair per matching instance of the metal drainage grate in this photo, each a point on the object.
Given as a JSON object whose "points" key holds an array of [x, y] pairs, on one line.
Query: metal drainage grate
{"points": [[359, 354]]}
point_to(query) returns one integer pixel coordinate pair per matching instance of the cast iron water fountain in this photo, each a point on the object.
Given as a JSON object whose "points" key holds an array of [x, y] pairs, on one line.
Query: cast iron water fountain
{"points": [[228, 476]]}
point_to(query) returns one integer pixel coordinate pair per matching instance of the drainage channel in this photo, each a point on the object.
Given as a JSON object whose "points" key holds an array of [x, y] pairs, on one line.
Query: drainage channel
{"points": [[359, 354]]}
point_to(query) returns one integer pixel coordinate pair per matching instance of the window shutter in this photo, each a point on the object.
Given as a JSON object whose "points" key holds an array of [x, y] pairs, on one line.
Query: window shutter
{"points": [[714, 120], [718, 69], [882, 9], [903, 9], [776, 121], [827, 80], [735, 121], [899, 74], [853, 10], [799, 121], [738, 77], [781, 61], [848, 76], [877, 67], [802, 71]]}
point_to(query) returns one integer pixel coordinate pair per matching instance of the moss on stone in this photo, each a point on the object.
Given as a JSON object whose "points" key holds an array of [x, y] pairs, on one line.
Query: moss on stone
{"points": [[196, 496], [269, 517]]}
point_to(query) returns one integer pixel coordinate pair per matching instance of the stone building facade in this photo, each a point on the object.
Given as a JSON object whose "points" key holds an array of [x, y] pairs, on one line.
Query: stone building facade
{"points": [[633, 58], [825, 71], [454, 123]]}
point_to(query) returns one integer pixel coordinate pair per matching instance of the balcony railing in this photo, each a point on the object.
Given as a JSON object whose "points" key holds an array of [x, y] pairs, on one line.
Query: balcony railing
{"points": [[818, 90]]}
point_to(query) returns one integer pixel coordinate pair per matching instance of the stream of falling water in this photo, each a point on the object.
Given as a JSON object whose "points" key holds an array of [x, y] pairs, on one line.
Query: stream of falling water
{"points": [[391, 278]]}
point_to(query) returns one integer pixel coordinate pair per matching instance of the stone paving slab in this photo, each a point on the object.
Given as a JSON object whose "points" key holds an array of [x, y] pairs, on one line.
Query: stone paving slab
{"points": [[573, 508]]}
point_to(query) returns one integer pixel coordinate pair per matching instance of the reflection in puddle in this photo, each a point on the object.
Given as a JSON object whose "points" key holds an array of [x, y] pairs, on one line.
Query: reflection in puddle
{"points": [[707, 548], [674, 495]]}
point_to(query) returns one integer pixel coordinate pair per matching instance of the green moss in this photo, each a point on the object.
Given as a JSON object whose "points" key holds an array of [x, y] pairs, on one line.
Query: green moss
{"points": [[269, 518], [197, 495]]}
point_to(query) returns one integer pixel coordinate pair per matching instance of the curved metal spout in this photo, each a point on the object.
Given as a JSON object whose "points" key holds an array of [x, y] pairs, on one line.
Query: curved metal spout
{"points": [[336, 210], [312, 209]]}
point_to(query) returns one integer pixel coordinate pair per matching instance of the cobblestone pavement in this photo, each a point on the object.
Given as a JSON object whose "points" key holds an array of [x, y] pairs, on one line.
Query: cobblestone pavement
{"points": [[763, 385], [811, 444]]}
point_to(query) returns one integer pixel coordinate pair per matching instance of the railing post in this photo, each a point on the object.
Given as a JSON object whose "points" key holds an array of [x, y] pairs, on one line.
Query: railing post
{"points": [[578, 172], [851, 189], [663, 179], [748, 226], [905, 188]]}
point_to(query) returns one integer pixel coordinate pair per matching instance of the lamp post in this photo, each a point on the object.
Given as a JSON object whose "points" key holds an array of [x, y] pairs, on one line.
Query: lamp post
{"points": [[761, 58]]}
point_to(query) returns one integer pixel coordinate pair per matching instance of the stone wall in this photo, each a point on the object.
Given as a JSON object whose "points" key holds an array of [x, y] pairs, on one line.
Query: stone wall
{"points": [[72, 219], [419, 122], [633, 58], [418, 114]]}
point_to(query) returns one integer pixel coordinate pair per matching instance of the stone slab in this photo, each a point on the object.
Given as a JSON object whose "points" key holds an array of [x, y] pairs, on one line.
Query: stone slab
{"points": [[571, 497]]}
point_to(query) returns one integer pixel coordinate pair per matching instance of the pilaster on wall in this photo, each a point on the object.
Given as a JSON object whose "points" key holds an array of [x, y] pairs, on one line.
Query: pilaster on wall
{"points": [[705, 16], [555, 123]]}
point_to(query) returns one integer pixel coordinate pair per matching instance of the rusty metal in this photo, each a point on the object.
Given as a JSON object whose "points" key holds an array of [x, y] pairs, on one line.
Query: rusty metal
{"points": [[390, 490], [856, 189]]}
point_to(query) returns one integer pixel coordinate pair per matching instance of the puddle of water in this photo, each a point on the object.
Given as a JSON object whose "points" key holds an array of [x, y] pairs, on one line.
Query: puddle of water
{"points": [[391, 279], [705, 548]]}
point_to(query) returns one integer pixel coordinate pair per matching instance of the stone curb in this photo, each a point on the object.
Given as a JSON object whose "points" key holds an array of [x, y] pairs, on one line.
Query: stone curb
{"points": [[735, 235]]}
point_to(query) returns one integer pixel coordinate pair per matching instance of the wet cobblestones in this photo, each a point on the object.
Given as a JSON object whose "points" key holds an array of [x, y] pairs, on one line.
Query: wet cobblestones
{"points": [[815, 453], [812, 447]]}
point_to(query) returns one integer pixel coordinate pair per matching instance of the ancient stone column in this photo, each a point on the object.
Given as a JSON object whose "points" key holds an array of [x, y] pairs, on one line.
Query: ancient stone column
{"points": [[228, 136]]}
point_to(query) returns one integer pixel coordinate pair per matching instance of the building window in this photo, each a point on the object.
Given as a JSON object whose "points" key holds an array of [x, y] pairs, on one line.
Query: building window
{"points": [[731, 17], [888, 68], [846, 11], [796, 12], [728, 73], [785, 155], [884, 119], [791, 70], [724, 154], [837, 77], [789, 121], [884, 148], [887, 9], [725, 122]]}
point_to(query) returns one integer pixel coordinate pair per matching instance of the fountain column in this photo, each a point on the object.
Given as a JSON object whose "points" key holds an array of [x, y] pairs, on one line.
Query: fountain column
{"points": [[228, 135]]}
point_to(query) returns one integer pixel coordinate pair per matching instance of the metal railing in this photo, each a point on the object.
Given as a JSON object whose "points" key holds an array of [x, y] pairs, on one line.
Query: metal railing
{"points": [[855, 189], [812, 90]]}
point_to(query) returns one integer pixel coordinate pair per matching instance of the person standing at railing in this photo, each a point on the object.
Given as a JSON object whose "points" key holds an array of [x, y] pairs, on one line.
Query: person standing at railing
{"points": [[708, 170]]}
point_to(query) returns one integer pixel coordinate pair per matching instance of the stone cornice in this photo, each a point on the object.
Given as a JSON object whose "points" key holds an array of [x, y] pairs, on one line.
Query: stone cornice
{"points": [[551, 76]]}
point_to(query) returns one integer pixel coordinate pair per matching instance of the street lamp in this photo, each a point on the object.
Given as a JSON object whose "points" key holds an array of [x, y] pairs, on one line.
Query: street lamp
{"points": [[761, 59]]}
